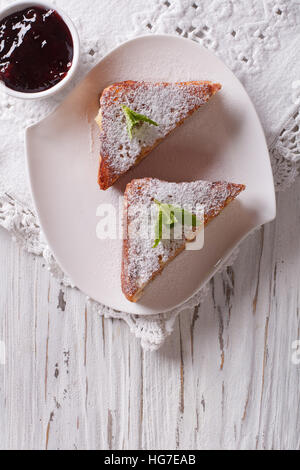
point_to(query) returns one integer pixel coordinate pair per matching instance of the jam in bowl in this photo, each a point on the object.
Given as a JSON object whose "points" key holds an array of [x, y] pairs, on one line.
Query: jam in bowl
{"points": [[36, 50]]}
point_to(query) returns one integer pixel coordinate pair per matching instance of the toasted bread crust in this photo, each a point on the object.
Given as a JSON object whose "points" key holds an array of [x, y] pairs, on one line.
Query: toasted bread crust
{"points": [[132, 293], [106, 174], [129, 287]]}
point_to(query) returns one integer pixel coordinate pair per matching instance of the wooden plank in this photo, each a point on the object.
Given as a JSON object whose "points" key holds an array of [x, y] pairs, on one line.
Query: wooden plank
{"points": [[224, 379]]}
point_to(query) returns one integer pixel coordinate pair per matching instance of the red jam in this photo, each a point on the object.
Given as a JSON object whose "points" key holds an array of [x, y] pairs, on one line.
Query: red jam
{"points": [[36, 50]]}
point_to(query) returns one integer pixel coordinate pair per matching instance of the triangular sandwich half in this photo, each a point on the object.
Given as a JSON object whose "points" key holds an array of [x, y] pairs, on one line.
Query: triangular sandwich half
{"points": [[143, 256], [134, 117]]}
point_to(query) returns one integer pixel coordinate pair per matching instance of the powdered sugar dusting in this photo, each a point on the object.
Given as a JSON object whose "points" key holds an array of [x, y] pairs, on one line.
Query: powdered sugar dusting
{"points": [[165, 103], [144, 260]]}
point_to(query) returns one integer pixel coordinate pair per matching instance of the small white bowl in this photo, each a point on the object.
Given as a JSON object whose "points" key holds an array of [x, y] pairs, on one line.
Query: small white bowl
{"points": [[20, 5]]}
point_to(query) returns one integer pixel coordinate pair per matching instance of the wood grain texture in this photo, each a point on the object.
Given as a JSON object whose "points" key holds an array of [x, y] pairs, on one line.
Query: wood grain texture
{"points": [[225, 378]]}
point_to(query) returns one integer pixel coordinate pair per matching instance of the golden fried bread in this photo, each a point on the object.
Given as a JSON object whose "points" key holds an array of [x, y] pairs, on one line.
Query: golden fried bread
{"points": [[141, 261], [168, 104]]}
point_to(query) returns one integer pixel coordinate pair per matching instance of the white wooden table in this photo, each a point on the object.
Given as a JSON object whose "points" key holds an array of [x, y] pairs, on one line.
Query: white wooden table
{"points": [[227, 378]]}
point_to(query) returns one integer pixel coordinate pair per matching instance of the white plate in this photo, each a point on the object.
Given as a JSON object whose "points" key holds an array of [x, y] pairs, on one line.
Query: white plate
{"points": [[224, 140]]}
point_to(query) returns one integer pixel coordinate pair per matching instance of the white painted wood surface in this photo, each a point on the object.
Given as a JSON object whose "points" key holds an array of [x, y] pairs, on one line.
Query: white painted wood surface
{"points": [[224, 380]]}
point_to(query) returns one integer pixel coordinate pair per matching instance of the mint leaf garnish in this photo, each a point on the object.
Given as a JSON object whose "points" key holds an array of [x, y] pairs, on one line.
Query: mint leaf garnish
{"points": [[158, 229], [133, 118], [169, 215]]}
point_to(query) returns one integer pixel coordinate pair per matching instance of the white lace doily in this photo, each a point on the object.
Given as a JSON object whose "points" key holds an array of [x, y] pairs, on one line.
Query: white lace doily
{"points": [[258, 39]]}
